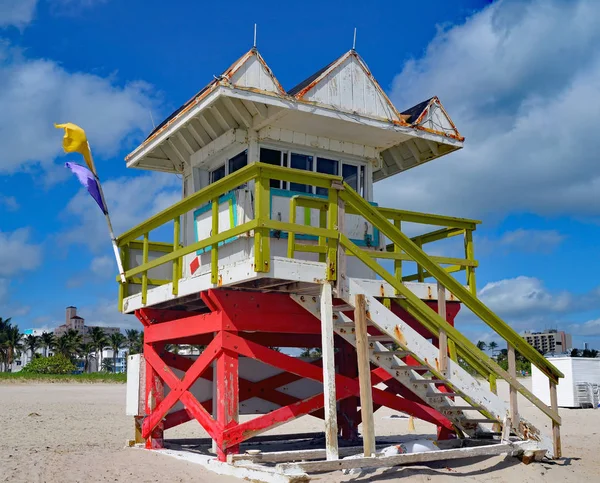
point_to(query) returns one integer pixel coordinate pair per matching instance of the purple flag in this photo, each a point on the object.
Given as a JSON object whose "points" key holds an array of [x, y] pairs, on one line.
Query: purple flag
{"points": [[89, 182]]}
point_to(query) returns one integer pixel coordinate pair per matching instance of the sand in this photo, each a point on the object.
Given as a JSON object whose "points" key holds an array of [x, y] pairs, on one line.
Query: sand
{"points": [[77, 433]]}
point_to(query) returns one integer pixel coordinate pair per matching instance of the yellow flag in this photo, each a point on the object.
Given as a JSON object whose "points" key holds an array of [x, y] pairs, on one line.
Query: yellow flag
{"points": [[75, 141]]}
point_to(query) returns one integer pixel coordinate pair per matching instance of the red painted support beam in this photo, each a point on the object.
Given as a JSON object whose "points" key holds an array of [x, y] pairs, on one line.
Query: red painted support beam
{"points": [[185, 327], [227, 399], [149, 316], [180, 388], [345, 387], [154, 397]]}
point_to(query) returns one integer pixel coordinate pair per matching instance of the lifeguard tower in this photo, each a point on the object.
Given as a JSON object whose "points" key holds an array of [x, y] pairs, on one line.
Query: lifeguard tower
{"points": [[277, 245]]}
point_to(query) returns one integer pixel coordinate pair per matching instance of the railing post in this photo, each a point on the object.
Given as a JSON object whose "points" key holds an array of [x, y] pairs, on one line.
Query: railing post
{"points": [[555, 426], [512, 371], [292, 235], [470, 255], [123, 287], [214, 252], [329, 393], [398, 263], [443, 336], [341, 279], [262, 255], [145, 274], [176, 230], [333, 221], [323, 240], [364, 375], [420, 271]]}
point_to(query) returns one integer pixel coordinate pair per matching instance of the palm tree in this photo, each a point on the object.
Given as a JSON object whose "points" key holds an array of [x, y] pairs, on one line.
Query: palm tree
{"points": [[492, 346], [32, 342], [98, 338], [4, 325], [133, 341], [116, 341], [481, 345], [12, 342], [47, 342], [67, 345], [85, 350]]}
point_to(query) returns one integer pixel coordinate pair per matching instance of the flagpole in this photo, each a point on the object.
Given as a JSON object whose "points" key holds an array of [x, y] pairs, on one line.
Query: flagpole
{"points": [[108, 222]]}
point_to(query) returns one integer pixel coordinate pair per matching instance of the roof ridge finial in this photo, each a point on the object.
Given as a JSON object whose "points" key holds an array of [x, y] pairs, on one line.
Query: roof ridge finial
{"points": [[254, 44], [354, 41]]}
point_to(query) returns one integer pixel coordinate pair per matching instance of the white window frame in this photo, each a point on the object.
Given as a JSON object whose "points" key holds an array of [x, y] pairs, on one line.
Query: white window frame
{"points": [[321, 153]]}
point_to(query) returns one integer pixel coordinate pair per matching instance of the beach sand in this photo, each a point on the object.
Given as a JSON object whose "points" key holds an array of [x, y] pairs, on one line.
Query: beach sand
{"points": [[77, 433]]}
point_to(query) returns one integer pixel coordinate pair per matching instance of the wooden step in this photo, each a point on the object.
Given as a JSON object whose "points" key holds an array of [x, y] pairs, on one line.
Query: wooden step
{"points": [[461, 408], [343, 308], [380, 338], [485, 420], [444, 394], [428, 381], [411, 368], [391, 353]]}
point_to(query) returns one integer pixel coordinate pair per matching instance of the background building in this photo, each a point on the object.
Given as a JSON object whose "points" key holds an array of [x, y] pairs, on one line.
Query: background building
{"points": [[550, 340], [75, 322]]}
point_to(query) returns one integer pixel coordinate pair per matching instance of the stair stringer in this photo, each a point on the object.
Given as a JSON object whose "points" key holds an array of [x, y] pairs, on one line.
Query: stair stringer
{"points": [[455, 377], [460, 381], [399, 370]]}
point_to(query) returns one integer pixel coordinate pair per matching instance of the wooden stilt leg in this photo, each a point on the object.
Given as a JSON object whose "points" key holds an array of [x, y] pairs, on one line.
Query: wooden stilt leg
{"points": [[228, 398], [327, 350], [512, 370], [555, 426], [154, 396], [364, 375]]}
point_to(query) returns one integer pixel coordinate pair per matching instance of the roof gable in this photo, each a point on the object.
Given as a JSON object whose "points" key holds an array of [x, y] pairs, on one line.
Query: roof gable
{"points": [[431, 116], [252, 71], [347, 84]]}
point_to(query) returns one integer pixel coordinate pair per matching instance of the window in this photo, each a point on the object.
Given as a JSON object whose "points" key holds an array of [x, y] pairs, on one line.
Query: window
{"points": [[304, 162], [326, 166], [238, 162], [274, 157], [353, 174], [350, 175], [217, 174]]}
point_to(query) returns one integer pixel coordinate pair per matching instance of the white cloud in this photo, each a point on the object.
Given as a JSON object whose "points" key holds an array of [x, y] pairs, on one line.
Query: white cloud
{"points": [[521, 240], [17, 13], [523, 296], [130, 201], [591, 328], [35, 93], [522, 82], [17, 253], [10, 203], [103, 266]]}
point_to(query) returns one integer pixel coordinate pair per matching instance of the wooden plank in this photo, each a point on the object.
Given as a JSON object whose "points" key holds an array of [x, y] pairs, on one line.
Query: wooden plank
{"points": [[443, 336], [299, 455], [342, 277], [512, 370], [555, 426], [327, 349], [364, 375], [401, 459]]}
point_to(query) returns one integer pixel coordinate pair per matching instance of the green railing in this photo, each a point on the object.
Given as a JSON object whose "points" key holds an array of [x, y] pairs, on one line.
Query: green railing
{"points": [[342, 199]]}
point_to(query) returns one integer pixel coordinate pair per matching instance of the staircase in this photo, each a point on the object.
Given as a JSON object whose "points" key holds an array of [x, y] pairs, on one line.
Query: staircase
{"points": [[434, 387]]}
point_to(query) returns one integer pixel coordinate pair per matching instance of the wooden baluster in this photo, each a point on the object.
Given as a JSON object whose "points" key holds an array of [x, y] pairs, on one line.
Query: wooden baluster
{"points": [[443, 336], [364, 375], [512, 370], [145, 274], [555, 426], [328, 356], [398, 263], [214, 252], [176, 262]]}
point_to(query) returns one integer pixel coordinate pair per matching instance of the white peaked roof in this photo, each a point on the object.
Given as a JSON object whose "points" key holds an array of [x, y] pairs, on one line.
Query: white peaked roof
{"points": [[341, 102], [348, 85]]}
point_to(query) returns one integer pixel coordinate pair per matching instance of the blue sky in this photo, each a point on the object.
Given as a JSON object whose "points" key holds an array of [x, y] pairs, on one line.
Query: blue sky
{"points": [[525, 98]]}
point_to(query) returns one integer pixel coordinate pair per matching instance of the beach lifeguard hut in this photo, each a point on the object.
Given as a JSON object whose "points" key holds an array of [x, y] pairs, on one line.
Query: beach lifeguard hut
{"points": [[278, 247]]}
